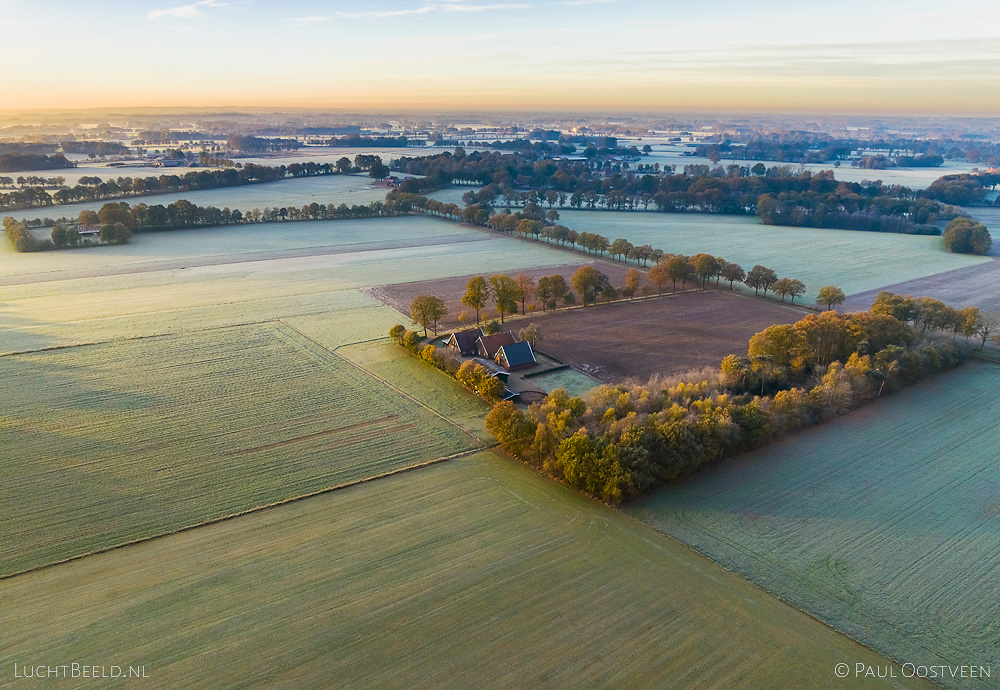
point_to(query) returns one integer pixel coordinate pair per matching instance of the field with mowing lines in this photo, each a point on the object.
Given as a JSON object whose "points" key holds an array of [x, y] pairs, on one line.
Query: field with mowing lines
{"points": [[387, 361], [853, 261], [150, 299], [108, 443], [298, 192], [355, 324], [471, 573], [972, 286], [884, 523], [202, 246]]}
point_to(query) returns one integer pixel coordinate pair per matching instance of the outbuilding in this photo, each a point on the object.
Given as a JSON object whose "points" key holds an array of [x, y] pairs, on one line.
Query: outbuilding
{"points": [[494, 369]]}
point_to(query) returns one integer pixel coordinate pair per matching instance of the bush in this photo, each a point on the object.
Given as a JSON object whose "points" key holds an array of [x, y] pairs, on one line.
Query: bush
{"points": [[965, 236], [410, 341]]}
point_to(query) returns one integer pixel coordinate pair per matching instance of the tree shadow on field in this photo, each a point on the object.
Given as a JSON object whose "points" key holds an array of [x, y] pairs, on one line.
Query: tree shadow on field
{"points": [[59, 420], [19, 334]]}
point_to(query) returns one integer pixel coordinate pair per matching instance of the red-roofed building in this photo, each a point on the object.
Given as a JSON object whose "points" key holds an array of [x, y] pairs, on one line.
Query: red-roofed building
{"points": [[487, 345]]}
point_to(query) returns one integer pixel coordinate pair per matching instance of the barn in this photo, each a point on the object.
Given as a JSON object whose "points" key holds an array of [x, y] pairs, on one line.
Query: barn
{"points": [[465, 341], [515, 356], [487, 345]]}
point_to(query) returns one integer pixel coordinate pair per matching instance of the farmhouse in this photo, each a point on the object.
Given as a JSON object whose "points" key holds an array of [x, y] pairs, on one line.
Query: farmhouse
{"points": [[515, 356], [465, 341], [88, 230], [487, 345]]}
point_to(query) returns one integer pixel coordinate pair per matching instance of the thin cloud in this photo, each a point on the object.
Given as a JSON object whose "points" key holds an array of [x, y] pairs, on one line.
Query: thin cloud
{"points": [[383, 14], [580, 3], [302, 21], [379, 14], [186, 11], [483, 8]]}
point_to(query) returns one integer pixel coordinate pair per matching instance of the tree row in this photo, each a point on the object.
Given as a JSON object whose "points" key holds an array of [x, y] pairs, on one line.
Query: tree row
{"points": [[622, 441]]}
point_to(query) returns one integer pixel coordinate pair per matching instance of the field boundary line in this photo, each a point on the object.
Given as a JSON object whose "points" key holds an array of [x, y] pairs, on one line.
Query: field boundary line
{"points": [[248, 511], [406, 395]]}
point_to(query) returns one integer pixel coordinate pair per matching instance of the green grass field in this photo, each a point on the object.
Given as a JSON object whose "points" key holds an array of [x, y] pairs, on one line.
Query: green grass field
{"points": [[81, 296], [884, 523], [472, 573], [108, 443], [432, 387], [203, 245], [853, 261]]}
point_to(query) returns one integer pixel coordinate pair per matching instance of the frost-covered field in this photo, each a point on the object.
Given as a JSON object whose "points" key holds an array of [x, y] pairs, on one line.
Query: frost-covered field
{"points": [[883, 523]]}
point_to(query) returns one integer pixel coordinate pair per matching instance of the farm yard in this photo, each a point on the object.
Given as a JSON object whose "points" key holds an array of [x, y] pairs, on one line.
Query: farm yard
{"points": [[853, 261], [474, 572], [664, 335], [114, 442], [572, 381], [882, 523]]}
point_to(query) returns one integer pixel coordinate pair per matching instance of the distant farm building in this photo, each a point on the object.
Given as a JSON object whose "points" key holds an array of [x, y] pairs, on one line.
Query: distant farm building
{"points": [[465, 341], [488, 345], [169, 163], [515, 356], [88, 230]]}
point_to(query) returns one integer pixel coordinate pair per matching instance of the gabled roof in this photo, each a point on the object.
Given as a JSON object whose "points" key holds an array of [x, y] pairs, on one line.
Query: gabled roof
{"points": [[516, 355], [465, 340], [491, 343]]}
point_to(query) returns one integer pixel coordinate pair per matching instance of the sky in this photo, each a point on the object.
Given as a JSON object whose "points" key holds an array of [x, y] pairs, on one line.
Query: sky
{"points": [[569, 55]]}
